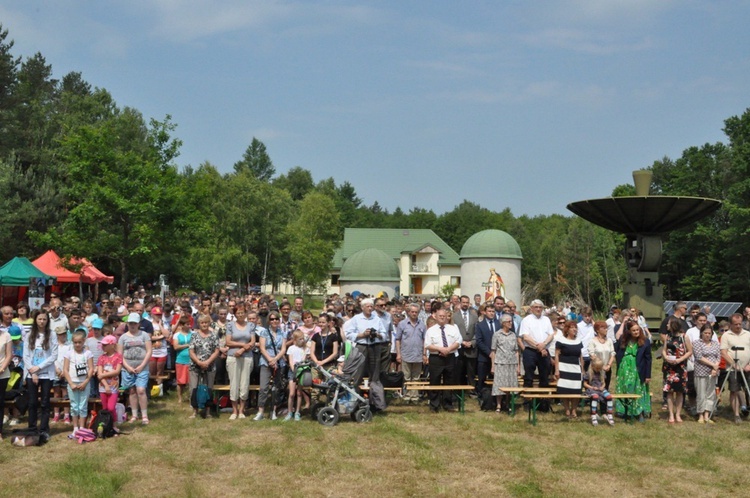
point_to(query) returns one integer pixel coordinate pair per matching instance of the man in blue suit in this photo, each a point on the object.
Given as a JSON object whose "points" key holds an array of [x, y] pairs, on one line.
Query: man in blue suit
{"points": [[484, 331]]}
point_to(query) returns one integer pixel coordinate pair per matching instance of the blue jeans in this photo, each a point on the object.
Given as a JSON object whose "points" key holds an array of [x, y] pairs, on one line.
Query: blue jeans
{"points": [[79, 402], [138, 380]]}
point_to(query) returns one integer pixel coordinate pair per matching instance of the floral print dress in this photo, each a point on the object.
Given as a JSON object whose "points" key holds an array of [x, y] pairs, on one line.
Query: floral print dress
{"points": [[676, 376], [628, 382]]}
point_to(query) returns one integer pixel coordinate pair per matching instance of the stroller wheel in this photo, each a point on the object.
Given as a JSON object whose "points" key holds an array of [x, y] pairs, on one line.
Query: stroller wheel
{"points": [[316, 409], [328, 416], [363, 415]]}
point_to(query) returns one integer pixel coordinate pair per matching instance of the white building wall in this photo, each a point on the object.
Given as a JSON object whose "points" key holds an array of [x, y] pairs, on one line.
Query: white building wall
{"points": [[475, 273]]}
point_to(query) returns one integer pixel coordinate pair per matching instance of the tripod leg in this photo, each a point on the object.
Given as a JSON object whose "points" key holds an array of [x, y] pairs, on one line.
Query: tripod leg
{"points": [[718, 397]]}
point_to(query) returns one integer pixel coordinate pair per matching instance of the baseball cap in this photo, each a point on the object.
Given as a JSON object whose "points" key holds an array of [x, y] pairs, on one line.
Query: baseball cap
{"points": [[156, 311], [97, 323], [15, 332], [110, 339], [134, 318]]}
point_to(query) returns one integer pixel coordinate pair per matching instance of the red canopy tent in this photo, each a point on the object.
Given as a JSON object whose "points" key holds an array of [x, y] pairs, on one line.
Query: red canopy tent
{"points": [[91, 271], [50, 263]]}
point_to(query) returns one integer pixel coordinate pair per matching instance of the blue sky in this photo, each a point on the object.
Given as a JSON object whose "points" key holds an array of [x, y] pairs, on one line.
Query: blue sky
{"points": [[527, 105]]}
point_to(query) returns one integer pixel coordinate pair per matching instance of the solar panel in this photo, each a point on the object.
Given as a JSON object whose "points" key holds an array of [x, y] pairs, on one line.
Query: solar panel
{"points": [[718, 308]]}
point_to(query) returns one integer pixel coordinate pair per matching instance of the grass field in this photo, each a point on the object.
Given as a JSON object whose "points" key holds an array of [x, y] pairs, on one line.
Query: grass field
{"points": [[407, 452]]}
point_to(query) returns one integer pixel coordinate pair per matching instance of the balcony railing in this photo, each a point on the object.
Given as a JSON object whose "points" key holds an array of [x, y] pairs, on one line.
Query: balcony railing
{"points": [[420, 268]]}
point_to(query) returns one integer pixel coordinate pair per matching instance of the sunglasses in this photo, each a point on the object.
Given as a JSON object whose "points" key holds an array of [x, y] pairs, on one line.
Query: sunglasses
{"points": [[273, 319]]}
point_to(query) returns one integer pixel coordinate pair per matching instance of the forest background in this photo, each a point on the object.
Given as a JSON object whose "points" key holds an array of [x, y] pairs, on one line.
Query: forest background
{"points": [[87, 177]]}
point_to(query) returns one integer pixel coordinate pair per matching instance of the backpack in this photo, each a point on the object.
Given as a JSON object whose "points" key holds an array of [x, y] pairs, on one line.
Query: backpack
{"points": [[84, 435], [28, 437], [487, 402], [303, 375], [103, 424], [200, 397], [392, 379]]}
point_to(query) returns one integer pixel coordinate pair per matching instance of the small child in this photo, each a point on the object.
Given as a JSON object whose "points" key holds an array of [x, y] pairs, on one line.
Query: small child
{"points": [[181, 343], [78, 368], [296, 354], [94, 344], [594, 382], [59, 384], [16, 365], [109, 368]]}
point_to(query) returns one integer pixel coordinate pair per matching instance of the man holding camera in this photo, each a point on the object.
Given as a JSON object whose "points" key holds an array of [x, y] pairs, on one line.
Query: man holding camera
{"points": [[366, 330], [735, 349]]}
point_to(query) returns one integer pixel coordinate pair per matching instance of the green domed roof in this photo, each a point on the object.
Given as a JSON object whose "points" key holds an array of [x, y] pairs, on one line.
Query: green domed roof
{"points": [[370, 265], [494, 244]]}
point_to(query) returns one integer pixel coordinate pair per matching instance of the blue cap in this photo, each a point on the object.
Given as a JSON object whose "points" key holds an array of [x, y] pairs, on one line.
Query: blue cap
{"points": [[15, 332], [97, 323]]}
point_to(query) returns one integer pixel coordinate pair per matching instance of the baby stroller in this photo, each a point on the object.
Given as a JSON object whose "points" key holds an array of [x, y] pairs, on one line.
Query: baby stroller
{"points": [[341, 395]]}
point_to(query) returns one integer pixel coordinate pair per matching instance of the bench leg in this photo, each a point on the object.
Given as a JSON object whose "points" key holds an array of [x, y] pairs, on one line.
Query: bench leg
{"points": [[532, 413], [513, 397], [461, 401]]}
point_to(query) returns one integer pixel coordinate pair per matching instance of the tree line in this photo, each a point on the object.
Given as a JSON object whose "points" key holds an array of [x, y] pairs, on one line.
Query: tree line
{"points": [[88, 177]]}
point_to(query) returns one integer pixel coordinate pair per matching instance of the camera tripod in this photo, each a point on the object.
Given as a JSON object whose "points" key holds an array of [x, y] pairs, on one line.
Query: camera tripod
{"points": [[732, 371]]}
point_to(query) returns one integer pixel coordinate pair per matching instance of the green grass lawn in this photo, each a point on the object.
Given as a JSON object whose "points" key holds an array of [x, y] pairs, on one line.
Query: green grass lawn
{"points": [[407, 452]]}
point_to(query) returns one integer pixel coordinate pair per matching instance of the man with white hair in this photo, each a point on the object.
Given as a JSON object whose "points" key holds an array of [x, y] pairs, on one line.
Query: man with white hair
{"points": [[536, 333], [366, 330]]}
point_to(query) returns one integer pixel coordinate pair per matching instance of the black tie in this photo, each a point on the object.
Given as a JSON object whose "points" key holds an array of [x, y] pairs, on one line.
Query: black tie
{"points": [[445, 339]]}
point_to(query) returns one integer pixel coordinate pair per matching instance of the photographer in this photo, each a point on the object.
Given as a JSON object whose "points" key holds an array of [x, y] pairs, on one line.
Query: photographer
{"points": [[366, 330], [735, 349]]}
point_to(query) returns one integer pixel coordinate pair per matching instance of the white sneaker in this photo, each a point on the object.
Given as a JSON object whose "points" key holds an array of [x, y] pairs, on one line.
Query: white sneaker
{"points": [[288, 417], [6, 420], [273, 416], [233, 416], [258, 417], [241, 415], [13, 421]]}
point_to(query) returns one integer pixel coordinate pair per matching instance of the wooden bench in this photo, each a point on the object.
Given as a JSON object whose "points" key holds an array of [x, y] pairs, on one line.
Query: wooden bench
{"points": [[536, 397], [460, 391], [219, 390]]}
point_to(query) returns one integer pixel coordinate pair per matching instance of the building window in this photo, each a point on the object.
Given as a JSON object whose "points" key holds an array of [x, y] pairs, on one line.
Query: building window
{"points": [[456, 281], [335, 279]]}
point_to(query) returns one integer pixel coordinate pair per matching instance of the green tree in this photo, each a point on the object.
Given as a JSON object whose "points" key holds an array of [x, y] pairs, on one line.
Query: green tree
{"points": [[8, 97], [313, 238], [120, 192], [257, 161], [297, 181]]}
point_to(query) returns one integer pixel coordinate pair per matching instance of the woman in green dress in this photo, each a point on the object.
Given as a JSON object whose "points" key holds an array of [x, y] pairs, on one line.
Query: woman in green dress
{"points": [[633, 355]]}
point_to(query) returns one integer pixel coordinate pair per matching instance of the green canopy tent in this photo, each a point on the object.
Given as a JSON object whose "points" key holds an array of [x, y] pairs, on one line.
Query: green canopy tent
{"points": [[17, 273]]}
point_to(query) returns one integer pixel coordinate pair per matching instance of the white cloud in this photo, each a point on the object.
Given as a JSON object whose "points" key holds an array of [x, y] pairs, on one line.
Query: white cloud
{"points": [[588, 95], [578, 40], [190, 20]]}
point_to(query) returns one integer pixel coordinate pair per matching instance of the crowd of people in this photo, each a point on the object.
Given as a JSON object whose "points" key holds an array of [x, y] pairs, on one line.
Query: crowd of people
{"points": [[120, 346]]}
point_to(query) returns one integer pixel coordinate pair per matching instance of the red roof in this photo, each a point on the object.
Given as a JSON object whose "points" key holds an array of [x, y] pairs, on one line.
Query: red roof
{"points": [[50, 263]]}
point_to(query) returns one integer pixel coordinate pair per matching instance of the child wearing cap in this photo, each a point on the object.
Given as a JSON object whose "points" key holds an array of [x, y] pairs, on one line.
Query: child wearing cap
{"points": [[94, 344], [6, 355], [59, 385], [108, 368], [16, 364]]}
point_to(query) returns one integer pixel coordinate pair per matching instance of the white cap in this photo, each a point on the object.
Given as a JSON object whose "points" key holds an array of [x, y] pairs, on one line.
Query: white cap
{"points": [[134, 318]]}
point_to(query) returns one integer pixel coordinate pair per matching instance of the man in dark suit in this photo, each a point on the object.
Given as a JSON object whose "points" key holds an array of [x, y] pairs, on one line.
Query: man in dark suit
{"points": [[465, 319], [484, 331]]}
